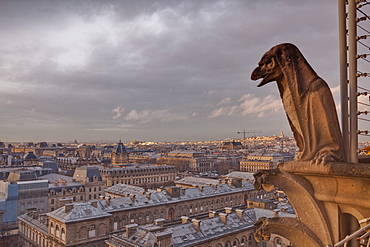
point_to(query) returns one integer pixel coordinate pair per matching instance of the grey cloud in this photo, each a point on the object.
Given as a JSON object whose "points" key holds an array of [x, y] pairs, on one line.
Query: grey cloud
{"points": [[149, 57]]}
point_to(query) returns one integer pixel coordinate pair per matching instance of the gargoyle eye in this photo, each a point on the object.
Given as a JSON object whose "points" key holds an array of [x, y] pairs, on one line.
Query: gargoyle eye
{"points": [[267, 61]]}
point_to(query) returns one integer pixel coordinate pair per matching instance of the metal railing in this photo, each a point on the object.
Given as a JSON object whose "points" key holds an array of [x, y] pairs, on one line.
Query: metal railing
{"points": [[362, 236]]}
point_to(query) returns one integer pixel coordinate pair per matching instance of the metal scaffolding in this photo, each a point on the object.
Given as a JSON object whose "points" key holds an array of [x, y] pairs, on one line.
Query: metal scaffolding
{"points": [[349, 72]]}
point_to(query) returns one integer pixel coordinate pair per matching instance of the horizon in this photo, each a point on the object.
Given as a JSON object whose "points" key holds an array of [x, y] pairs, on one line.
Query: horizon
{"points": [[160, 71]]}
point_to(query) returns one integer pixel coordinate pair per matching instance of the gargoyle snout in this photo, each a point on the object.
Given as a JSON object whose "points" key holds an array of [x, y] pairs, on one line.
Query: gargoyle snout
{"points": [[257, 74]]}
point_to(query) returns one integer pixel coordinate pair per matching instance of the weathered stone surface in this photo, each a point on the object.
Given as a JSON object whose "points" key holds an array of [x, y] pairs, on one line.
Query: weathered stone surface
{"points": [[320, 195], [307, 101]]}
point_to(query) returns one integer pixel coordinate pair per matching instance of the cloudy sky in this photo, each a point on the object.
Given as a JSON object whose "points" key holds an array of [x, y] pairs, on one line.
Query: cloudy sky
{"points": [[152, 70]]}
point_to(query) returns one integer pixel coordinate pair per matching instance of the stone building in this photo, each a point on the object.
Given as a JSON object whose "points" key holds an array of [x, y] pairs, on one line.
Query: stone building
{"points": [[76, 224], [147, 175], [232, 145], [86, 184], [187, 161], [79, 224], [228, 228], [259, 161], [120, 155]]}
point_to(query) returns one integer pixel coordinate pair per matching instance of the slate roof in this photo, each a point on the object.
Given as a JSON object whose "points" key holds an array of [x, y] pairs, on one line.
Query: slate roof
{"points": [[197, 181], [188, 235], [242, 175], [87, 172], [53, 177], [120, 149], [143, 200], [122, 189], [79, 212]]}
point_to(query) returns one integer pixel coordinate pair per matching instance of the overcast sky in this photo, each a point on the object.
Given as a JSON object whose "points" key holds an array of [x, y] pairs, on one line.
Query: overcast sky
{"points": [[152, 70]]}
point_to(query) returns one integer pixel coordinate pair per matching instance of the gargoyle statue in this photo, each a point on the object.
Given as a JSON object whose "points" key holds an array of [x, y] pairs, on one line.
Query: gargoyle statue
{"points": [[307, 101]]}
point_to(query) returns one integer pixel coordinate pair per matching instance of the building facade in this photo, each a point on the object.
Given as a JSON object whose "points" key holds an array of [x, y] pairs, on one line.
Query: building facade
{"points": [[147, 175], [187, 161], [262, 161], [80, 224]]}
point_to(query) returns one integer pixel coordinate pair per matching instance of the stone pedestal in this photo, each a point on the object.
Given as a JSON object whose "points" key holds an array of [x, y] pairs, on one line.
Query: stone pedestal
{"points": [[329, 200]]}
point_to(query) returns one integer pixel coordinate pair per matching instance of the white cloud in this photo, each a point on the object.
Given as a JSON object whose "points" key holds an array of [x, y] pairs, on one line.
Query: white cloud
{"points": [[147, 116], [118, 112], [250, 104], [224, 101]]}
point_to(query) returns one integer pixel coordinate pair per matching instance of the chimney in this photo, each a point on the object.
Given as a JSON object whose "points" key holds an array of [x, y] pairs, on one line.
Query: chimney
{"points": [[212, 214], [159, 222], [239, 213], [215, 186], [163, 239], [107, 200], [196, 224], [185, 219], [101, 197], [183, 191], [35, 215], [30, 211], [237, 183], [65, 201], [68, 207], [173, 191], [132, 197], [148, 195], [276, 212], [228, 210], [200, 187], [42, 217], [230, 182], [94, 203], [130, 230], [223, 218]]}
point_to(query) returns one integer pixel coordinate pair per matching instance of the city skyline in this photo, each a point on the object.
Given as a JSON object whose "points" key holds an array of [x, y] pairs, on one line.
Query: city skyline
{"points": [[153, 71]]}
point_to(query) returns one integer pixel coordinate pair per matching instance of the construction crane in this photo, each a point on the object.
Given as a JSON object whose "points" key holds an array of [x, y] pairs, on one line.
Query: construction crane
{"points": [[247, 132]]}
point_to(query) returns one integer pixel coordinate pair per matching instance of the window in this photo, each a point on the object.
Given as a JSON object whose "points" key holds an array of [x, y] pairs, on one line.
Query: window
{"points": [[92, 231], [52, 201], [115, 224]]}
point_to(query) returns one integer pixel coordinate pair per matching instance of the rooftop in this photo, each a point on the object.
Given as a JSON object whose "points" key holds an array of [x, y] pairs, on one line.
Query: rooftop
{"points": [[77, 212]]}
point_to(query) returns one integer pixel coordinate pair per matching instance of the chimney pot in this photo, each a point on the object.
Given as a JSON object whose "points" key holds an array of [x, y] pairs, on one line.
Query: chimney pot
{"points": [[212, 214], [159, 222], [132, 197], [239, 213], [196, 224], [185, 219], [223, 218], [94, 203], [68, 207], [228, 210]]}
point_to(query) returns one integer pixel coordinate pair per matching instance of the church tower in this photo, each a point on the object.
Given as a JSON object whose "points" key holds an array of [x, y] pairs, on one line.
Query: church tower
{"points": [[120, 155]]}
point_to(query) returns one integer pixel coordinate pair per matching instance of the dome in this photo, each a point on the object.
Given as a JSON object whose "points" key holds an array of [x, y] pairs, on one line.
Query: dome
{"points": [[120, 149], [30, 156]]}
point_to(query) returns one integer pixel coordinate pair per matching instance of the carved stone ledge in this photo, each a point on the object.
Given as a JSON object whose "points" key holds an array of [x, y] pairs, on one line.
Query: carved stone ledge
{"points": [[320, 194]]}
